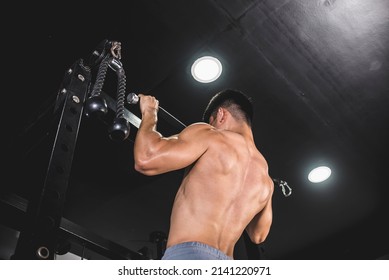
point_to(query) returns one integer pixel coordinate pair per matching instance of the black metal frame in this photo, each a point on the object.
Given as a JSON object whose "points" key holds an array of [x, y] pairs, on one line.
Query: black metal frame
{"points": [[39, 237], [71, 237], [44, 231]]}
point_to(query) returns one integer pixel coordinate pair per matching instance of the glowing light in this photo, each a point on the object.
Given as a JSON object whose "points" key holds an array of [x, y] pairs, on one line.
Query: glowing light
{"points": [[319, 174], [206, 69]]}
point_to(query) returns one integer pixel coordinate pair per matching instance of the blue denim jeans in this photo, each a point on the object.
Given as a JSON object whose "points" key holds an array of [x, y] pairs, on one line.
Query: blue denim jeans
{"points": [[194, 251]]}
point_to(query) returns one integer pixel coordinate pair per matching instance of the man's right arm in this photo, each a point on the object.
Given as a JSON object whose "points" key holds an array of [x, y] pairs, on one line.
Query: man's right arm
{"points": [[259, 227]]}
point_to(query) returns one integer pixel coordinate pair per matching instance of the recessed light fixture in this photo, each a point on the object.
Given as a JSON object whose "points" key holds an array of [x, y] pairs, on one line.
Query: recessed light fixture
{"points": [[206, 69], [319, 174]]}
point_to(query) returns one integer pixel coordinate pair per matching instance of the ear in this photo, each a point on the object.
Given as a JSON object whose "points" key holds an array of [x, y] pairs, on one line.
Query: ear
{"points": [[221, 115]]}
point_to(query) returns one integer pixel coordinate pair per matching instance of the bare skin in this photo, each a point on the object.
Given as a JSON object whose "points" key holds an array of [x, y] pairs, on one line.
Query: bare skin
{"points": [[226, 188]]}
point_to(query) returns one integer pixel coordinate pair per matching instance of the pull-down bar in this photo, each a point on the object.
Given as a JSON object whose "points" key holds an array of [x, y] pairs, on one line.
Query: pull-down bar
{"points": [[134, 119]]}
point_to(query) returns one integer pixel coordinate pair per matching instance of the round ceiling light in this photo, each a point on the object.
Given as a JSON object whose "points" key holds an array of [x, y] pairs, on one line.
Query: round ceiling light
{"points": [[319, 174], [206, 69]]}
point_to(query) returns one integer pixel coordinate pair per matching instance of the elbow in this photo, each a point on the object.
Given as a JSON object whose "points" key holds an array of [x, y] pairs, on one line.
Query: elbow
{"points": [[258, 238], [141, 162], [139, 167], [142, 166]]}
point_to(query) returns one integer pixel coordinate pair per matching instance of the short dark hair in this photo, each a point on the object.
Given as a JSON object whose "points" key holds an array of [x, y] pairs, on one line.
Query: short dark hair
{"points": [[238, 103]]}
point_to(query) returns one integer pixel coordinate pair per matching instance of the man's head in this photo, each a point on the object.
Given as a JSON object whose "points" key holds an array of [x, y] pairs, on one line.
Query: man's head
{"points": [[235, 101]]}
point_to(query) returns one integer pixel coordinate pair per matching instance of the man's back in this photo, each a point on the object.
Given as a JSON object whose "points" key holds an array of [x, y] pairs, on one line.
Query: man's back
{"points": [[221, 192], [226, 189]]}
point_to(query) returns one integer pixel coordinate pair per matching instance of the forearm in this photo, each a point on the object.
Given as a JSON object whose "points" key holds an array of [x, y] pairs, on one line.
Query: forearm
{"points": [[147, 143], [147, 136]]}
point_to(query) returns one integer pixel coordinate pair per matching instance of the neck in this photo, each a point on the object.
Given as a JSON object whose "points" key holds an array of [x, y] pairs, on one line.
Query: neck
{"points": [[241, 128]]}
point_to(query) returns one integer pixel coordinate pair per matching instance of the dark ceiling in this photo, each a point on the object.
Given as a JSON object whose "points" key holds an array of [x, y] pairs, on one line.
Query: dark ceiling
{"points": [[316, 70]]}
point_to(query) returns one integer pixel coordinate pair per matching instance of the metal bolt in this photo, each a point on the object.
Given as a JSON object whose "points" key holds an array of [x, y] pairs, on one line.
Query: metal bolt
{"points": [[43, 252], [81, 77], [75, 99]]}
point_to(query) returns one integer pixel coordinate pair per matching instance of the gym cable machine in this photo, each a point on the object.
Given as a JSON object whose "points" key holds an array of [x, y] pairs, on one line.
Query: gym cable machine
{"points": [[45, 230]]}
